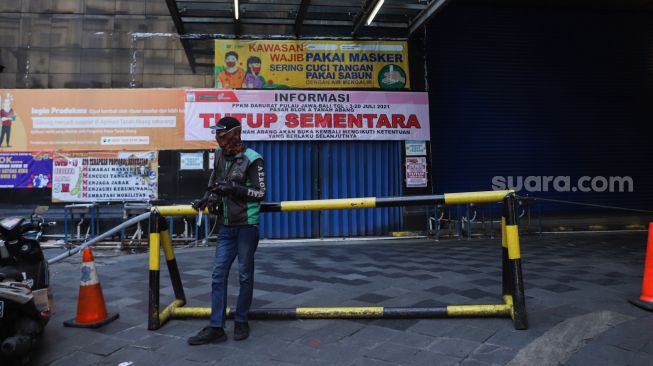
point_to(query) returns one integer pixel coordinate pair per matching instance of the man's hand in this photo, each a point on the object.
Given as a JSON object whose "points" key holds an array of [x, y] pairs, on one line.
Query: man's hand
{"points": [[199, 204], [224, 188], [214, 203]]}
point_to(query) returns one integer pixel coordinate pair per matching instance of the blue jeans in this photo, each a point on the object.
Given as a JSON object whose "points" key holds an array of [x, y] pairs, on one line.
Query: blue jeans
{"points": [[233, 241], [6, 130]]}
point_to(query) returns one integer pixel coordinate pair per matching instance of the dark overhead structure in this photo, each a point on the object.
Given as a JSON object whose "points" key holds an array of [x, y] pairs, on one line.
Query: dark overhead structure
{"points": [[199, 22]]}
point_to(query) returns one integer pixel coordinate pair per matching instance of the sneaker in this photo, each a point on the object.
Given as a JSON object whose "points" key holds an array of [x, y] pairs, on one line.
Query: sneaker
{"points": [[241, 331], [208, 335]]}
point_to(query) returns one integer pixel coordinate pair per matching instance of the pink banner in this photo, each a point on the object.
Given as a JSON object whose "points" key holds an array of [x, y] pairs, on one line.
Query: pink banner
{"points": [[276, 115]]}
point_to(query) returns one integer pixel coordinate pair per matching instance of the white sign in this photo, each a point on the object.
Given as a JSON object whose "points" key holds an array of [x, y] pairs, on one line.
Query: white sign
{"points": [[278, 115], [415, 148], [191, 161], [105, 176], [416, 172], [211, 159]]}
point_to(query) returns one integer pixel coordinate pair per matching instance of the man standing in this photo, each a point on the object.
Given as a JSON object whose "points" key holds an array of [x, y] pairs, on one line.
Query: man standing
{"points": [[236, 188]]}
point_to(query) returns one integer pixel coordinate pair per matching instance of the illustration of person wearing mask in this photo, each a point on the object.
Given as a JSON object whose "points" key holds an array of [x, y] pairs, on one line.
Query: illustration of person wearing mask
{"points": [[44, 181], [253, 80], [232, 76], [7, 116], [36, 182]]}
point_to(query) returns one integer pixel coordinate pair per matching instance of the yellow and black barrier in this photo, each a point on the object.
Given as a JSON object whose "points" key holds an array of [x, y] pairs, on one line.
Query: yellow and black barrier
{"points": [[160, 236], [357, 312], [514, 305]]}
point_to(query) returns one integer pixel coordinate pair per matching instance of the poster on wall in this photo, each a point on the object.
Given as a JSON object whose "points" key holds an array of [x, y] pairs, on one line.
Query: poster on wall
{"points": [[415, 148], [26, 169], [211, 159], [92, 119], [316, 64], [278, 115], [105, 176], [191, 161], [416, 175]]}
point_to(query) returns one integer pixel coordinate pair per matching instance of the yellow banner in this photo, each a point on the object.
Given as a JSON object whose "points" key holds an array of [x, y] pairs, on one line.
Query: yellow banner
{"points": [[315, 64]]}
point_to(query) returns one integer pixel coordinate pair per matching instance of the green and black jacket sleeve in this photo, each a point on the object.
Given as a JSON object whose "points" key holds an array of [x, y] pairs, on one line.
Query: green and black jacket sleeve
{"points": [[254, 191]]}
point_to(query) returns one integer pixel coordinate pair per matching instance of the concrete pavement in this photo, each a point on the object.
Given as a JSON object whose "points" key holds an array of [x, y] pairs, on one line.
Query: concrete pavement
{"points": [[576, 288]]}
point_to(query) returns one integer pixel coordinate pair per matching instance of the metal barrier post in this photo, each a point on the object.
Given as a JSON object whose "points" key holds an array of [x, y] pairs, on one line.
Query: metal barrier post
{"points": [[469, 221], [171, 228], [206, 229], [514, 262], [155, 264], [65, 225], [459, 223], [93, 221], [506, 278], [437, 223], [171, 261], [173, 270]]}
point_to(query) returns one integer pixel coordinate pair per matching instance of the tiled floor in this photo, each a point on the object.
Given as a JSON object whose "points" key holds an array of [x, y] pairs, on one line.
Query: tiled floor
{"points": [[567, 276]]}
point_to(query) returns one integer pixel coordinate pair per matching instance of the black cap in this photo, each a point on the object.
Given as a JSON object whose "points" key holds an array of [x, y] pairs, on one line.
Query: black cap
{"points": [[226, 124]]}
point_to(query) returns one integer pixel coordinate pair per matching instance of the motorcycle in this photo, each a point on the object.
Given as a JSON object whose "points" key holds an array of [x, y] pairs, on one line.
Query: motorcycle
{"points": [[25, 297]]}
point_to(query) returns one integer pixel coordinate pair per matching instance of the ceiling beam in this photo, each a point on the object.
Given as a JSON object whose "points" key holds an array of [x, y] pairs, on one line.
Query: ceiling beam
{"points": [[179, 25], [279, 21], [432, 8], [299, 19], [224, 20]]}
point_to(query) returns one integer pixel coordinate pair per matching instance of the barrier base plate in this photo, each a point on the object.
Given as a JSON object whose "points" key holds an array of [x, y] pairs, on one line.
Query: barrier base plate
{"points": [[648, 306], [73, 324]]}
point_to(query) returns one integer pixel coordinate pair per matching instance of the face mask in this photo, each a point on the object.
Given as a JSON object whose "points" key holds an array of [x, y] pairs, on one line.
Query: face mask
{"points": [[231, 143], [256, 70]]}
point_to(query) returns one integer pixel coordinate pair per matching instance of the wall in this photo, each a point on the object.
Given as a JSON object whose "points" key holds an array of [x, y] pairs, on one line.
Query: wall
{"points": [[92, 44], [131, 43], [518, 90]]}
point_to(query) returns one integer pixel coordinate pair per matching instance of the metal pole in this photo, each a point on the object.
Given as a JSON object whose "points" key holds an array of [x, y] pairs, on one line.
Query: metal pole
{"points": [[469, 222], [514, 261], [155, 264], [171, 261], [371, 312], [106, 234]]}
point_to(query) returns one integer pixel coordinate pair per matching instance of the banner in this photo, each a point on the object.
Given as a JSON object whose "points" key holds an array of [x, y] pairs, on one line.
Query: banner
{"points": [[25, 170], [105, 176], [416, 172], [315, 64], [92, 119], [276, 115]]}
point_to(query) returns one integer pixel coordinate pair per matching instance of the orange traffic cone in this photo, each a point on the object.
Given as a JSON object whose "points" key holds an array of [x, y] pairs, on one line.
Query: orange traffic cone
{"points": [[91, 311], [646, 300]]}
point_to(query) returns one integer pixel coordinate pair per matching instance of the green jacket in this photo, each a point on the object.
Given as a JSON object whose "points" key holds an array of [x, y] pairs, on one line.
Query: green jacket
{"points": [[245, 169]]}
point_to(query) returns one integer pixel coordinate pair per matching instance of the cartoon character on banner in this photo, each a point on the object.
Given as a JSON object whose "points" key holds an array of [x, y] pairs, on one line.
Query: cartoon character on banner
{"points": [[232, 76], [44, 181], [40, 181], [7, 116], [253, 77]]}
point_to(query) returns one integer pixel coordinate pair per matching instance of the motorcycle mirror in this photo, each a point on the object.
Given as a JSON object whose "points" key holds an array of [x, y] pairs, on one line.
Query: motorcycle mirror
{"points": [[40, 210]]}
